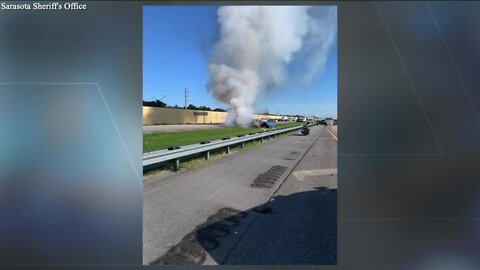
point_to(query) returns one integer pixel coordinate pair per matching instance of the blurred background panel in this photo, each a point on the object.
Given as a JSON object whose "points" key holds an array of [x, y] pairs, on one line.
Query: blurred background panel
{"points": [[70, 124], [409, 195]]}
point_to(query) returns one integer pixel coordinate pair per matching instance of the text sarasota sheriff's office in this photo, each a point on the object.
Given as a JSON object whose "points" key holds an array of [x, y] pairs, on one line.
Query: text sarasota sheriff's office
{"points": [[44, 6]]}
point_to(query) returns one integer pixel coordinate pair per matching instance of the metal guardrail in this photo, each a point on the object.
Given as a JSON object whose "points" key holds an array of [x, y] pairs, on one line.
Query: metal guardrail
{"points": [[152, 159]]}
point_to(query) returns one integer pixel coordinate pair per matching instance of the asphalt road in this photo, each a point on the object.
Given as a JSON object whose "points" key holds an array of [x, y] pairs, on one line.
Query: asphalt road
{"points": [[170, 128], [212, 214]]}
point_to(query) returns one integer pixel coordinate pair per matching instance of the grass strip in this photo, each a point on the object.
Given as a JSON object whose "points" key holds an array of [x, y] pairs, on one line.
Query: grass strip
{"points": [[194, 162], [164, 140]]}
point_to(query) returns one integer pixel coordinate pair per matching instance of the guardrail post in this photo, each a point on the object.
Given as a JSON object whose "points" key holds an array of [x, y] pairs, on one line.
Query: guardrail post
{"points": [[207, 155], [176, 164], [261, 139], [242, 145], [227, 150]]}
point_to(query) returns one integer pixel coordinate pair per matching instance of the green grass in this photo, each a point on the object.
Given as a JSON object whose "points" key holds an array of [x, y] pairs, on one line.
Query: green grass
{"points": [[289, 124], [195, 162], [164, 140]]}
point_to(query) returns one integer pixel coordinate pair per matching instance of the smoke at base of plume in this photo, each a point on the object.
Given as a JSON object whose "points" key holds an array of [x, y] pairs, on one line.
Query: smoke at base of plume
{"points": [[256, 43], [230, 86]]}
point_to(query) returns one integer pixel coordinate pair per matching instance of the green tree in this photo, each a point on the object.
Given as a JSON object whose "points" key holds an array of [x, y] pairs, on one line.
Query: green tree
{"points": [[156, 103]]}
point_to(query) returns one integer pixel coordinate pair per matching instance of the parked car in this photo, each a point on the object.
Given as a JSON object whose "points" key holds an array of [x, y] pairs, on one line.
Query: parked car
{"points": [[268, 124]]}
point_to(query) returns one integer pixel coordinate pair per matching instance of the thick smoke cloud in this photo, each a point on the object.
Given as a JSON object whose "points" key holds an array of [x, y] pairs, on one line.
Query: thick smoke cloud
{"points": [[255, 46], [321, 36]]}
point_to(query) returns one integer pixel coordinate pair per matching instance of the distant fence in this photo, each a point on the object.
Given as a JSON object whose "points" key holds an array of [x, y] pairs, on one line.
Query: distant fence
{"points": [[170, 116]]}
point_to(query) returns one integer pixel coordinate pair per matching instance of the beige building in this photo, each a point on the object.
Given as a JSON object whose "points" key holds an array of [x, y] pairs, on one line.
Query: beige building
{"points": [[170, 116]]}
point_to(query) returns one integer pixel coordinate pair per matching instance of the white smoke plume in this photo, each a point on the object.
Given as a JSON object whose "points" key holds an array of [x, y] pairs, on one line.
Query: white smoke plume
{"points": [[255, 46]]}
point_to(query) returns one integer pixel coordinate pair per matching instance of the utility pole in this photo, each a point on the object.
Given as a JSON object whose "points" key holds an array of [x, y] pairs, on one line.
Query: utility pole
{"points": [[186, 98]]}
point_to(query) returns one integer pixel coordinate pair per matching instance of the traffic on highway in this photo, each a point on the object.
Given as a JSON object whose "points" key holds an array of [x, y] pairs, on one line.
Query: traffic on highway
{"points": [[236, 209]]}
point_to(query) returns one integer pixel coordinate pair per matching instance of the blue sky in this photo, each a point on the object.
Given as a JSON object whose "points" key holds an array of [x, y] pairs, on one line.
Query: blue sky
{"points": [[177, 42]]}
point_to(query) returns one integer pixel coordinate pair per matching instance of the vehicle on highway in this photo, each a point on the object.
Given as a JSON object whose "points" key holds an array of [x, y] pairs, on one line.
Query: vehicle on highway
{"points": [[334, 122], [263, 123], [322, 122], [305, 130], [268, 124], [301, 119]]}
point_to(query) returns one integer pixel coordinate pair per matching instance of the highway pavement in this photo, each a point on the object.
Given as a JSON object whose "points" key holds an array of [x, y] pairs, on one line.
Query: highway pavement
{"points": [[273, 204]]}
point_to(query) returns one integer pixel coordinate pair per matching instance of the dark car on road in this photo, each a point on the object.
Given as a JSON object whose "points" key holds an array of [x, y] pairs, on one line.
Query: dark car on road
{"points": [[268, 124]]}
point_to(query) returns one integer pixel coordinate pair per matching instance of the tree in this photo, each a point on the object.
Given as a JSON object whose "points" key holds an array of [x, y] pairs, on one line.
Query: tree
{"points": [[156, 103], [204, 108], [159, 103]]}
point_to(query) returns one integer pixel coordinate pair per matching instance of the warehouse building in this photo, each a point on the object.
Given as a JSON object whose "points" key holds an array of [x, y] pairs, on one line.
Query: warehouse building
{"points": [[171, 116]]}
